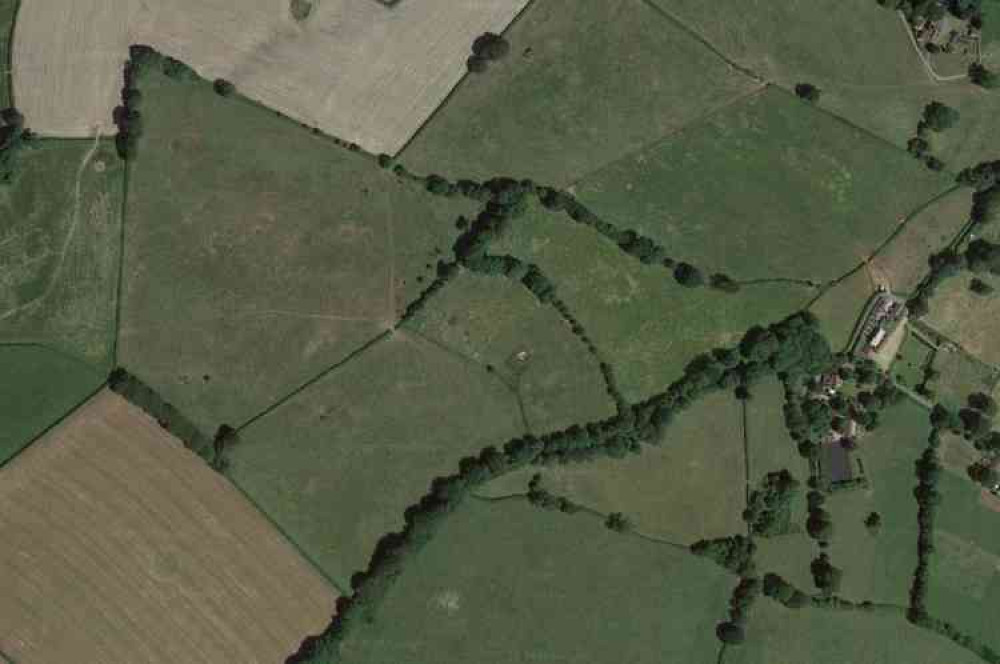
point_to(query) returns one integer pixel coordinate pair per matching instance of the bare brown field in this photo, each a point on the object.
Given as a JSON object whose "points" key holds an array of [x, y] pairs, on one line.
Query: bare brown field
{"points": [[354, 68], [122, 546]]}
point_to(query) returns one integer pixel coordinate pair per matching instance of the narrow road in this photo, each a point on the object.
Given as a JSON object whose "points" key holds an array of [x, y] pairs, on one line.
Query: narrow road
{"points": [[923, 57]]}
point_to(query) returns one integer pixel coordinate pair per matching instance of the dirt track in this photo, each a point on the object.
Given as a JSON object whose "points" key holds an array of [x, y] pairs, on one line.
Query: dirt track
{"points": [[121, 546]]}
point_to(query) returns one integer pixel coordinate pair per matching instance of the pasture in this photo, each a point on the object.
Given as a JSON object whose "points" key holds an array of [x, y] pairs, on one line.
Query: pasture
{"points": [[506, 582], [839, 309], [768, 188], [777, 635], [38, 386], [574, 95], [336, 466], [913, 357], [970, 320], [880, 567], [691, 486], [648, 326], [60, 249], [121, 546], [965, 568], [502, 328], [961, 375], [258, 254], [332, 71]]}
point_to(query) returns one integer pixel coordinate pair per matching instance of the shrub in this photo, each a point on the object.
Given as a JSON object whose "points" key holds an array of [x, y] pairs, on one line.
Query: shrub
{"points": [[223, 87], [808, 92]]}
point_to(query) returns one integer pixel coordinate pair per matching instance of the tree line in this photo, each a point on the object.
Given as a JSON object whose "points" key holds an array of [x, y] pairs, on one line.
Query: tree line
{"points": [[769, 510], [13, 136], [212, 450]]}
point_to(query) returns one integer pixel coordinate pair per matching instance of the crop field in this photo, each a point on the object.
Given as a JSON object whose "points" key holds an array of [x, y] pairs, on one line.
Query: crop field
{"points": [[823, 41], [37, 387], [573, 95], [818, 636], [879, 567], [972, 321], [767, 188], [278, 259], [965, 576], [903, 262], [332, 71], [493, 323], [121, 546], [648, 326], [336, 465], [592, 594], [59, 247], [705, 500], [839, 309]]}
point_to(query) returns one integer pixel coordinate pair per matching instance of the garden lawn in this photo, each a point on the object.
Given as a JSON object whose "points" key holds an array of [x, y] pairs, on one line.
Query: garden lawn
{"points": [[60, 230], [586, 81], [508, 582], [336, 466], [647, 326], [494, 322], [257, 253], [38, 386], [768, 188]]}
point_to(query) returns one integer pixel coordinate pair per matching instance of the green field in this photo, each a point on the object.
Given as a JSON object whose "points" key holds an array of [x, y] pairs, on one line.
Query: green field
{"points": [[965, 572], [769, 188], [913, 357], [820, 41], [839, 309], [691, 486], [972, 321], [8, 9], [573, 95], [880, 567], [960, 376], [258, 253], [37, 387], [903, 262], [491, 321], [776, 635], [647, 325], [506, 582], [336, 466], [59, 247]]}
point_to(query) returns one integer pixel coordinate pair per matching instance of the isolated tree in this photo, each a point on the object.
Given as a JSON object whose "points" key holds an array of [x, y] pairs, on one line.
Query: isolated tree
{"points": [[490, 46], [980, 287], [617, 522], [807, 91], [223, 87], [825, 575], [983, 77], [939, 117], [688, 275], [873, 522]]}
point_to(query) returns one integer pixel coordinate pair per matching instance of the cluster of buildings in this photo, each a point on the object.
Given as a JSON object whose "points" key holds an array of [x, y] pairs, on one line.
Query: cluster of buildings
{"points": [[884, 315], [947, 34]]}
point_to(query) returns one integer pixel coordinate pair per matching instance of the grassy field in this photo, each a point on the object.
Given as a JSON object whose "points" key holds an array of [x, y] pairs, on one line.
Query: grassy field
{"points": [[647, 325], [960, 376], [880, 567], [690, 487], [336, 466], [903, 262], [778, 635], [586, 82], [965, 573], [38, 386], [768, 188], [491, 320], [820, 41], [840, 308], [59, 247], [507, 582], [971, 320], [8, 9], [278, 258], [913, 357], [122, 546]]}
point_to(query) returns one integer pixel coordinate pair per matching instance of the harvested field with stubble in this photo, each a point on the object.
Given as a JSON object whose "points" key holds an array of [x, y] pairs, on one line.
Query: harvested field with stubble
{"points": [[121, 546], [355, 69]]}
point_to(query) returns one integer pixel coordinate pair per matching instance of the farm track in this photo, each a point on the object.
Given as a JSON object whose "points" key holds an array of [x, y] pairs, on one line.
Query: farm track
{"points": [[923, 58]]}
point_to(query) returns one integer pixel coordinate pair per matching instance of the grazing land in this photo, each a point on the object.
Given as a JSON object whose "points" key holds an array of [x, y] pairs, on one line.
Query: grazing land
{"points": [[573, 95], [336, 465], [833, 637], [506, 582], [59, 247], [767, 188], [971, 320], [276, 261], [913, 357], [121, 546], [502, 329], [37, 387], [840, 307], [961, 375], [648, 326], [691, 486], [356, 70]]}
